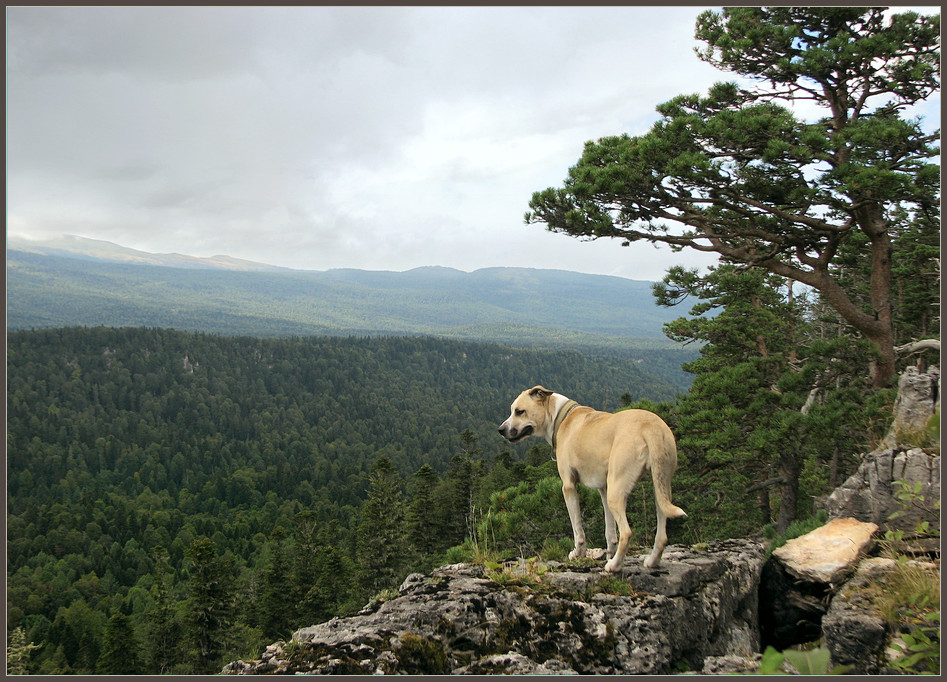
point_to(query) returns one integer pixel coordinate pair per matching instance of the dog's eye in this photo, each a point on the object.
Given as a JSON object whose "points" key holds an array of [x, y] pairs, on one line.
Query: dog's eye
{"points": [[519, 413]]}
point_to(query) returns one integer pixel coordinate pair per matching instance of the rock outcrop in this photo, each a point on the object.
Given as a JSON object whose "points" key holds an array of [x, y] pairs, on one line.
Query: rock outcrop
{"points": [[801, 577], [918, 399], [870, 494], [855, 632], [706, 609], [545, 618]]}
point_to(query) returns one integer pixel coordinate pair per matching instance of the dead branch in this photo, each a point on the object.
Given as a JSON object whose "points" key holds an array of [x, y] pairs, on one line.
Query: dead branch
{"points": [[918, 347]]}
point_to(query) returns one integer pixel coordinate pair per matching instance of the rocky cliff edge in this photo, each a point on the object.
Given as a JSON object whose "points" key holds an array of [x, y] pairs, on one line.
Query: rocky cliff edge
{"points": [[531, 617]]}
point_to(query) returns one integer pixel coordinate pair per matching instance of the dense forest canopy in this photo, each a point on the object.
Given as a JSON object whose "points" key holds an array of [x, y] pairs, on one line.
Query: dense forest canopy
{"points": [[123, 441]]}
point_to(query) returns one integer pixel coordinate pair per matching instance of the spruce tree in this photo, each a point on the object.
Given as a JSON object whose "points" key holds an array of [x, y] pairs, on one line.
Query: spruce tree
{"points": [[308, 600], [335, 582], [18, 652], [164, 632], [775, 406], [121, 652], [458, 495], [424, 529], [734, 433], [382, 537], [276, 600], [210, 604]]}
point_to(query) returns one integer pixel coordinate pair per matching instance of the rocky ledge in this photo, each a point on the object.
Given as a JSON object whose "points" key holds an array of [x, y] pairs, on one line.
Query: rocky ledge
{"points": [[699, 608], [708, 609]]}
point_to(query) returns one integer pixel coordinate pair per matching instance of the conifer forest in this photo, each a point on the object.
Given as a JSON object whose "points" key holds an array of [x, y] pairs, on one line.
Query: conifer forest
{"points": [[175, 498]]}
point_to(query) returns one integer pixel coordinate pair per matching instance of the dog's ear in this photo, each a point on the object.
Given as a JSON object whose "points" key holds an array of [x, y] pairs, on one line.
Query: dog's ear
{"points": [[539, 393]]}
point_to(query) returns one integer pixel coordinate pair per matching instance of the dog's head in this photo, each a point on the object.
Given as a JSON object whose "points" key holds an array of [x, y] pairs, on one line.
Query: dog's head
{"points": [[529, 415]]}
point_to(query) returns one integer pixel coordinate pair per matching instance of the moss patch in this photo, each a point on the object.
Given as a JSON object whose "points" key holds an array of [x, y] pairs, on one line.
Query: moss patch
{"points": [[421, 656]]}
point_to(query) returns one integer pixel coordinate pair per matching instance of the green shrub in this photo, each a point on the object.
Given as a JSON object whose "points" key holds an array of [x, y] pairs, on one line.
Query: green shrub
{"points": [[796, 529]]}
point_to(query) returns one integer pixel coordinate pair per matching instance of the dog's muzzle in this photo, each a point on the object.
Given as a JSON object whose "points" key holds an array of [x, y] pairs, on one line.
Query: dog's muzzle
{"points": [[513, 435]]}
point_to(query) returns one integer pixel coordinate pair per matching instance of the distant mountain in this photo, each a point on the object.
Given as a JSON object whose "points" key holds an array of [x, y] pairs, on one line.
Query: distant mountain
{"points": [[77, 282], [72, 246]]}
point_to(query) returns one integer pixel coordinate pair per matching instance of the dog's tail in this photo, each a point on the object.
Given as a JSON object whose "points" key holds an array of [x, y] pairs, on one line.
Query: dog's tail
{"points": [[663, 461]]}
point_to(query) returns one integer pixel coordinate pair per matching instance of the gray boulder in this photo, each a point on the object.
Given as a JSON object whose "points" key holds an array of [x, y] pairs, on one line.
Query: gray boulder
{"points": [[854, 632]]}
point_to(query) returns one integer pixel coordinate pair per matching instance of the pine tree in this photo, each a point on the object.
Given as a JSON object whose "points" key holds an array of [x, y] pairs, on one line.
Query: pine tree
{"points": [[498, 478], [742, 174]]}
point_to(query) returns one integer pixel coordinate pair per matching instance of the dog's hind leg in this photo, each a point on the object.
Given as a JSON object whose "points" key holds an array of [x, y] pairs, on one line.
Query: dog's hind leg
{"points": [[660, 540], [611, 534], [611, 526], [662, 469], [620, 485]]}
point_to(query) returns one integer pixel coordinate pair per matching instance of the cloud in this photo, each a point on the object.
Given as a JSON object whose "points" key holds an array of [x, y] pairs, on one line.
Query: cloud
{"points": [[382, 137]]}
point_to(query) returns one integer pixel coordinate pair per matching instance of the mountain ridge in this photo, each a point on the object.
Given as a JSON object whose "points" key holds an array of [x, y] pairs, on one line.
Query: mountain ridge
{"points": [[75, 246], [69, 245]]}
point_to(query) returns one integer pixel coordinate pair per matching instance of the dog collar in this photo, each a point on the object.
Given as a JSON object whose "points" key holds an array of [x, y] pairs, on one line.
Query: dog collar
{"points": [[561, 417]]}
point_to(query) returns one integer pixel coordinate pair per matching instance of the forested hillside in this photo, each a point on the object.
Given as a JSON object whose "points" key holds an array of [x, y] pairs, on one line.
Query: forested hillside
{"points": [[508, 305], [147, 465]]}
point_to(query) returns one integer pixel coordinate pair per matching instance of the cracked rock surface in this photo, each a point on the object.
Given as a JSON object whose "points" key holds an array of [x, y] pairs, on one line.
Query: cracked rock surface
{"points": [[544, 619]]}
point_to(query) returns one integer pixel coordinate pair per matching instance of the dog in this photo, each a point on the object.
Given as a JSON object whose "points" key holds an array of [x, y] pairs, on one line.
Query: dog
{"points": [[604, 451]]}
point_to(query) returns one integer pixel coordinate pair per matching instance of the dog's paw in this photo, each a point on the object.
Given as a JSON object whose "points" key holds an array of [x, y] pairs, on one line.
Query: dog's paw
{"points": [[614, 566], [651, 562], [577, 553]]}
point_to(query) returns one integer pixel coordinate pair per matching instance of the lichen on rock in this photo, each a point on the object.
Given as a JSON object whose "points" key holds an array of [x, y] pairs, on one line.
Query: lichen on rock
{"points": [[459, 620]]}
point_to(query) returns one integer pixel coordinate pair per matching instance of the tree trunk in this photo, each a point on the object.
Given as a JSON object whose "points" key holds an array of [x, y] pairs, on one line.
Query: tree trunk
{"points": [[760, 341], [877, 325], [788, 492], [764, 506], [870, 217]]}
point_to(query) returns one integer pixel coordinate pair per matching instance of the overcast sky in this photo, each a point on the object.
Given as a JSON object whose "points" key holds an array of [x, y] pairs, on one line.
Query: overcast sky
{"points": [[324, 137]]}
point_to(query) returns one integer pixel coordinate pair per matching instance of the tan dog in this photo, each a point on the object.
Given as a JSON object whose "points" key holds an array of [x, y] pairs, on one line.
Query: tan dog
{"points": [[605, 451]]}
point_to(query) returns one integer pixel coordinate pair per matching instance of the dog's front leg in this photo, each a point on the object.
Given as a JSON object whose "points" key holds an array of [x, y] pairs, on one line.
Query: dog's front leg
{"points": [[571, 496]]}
